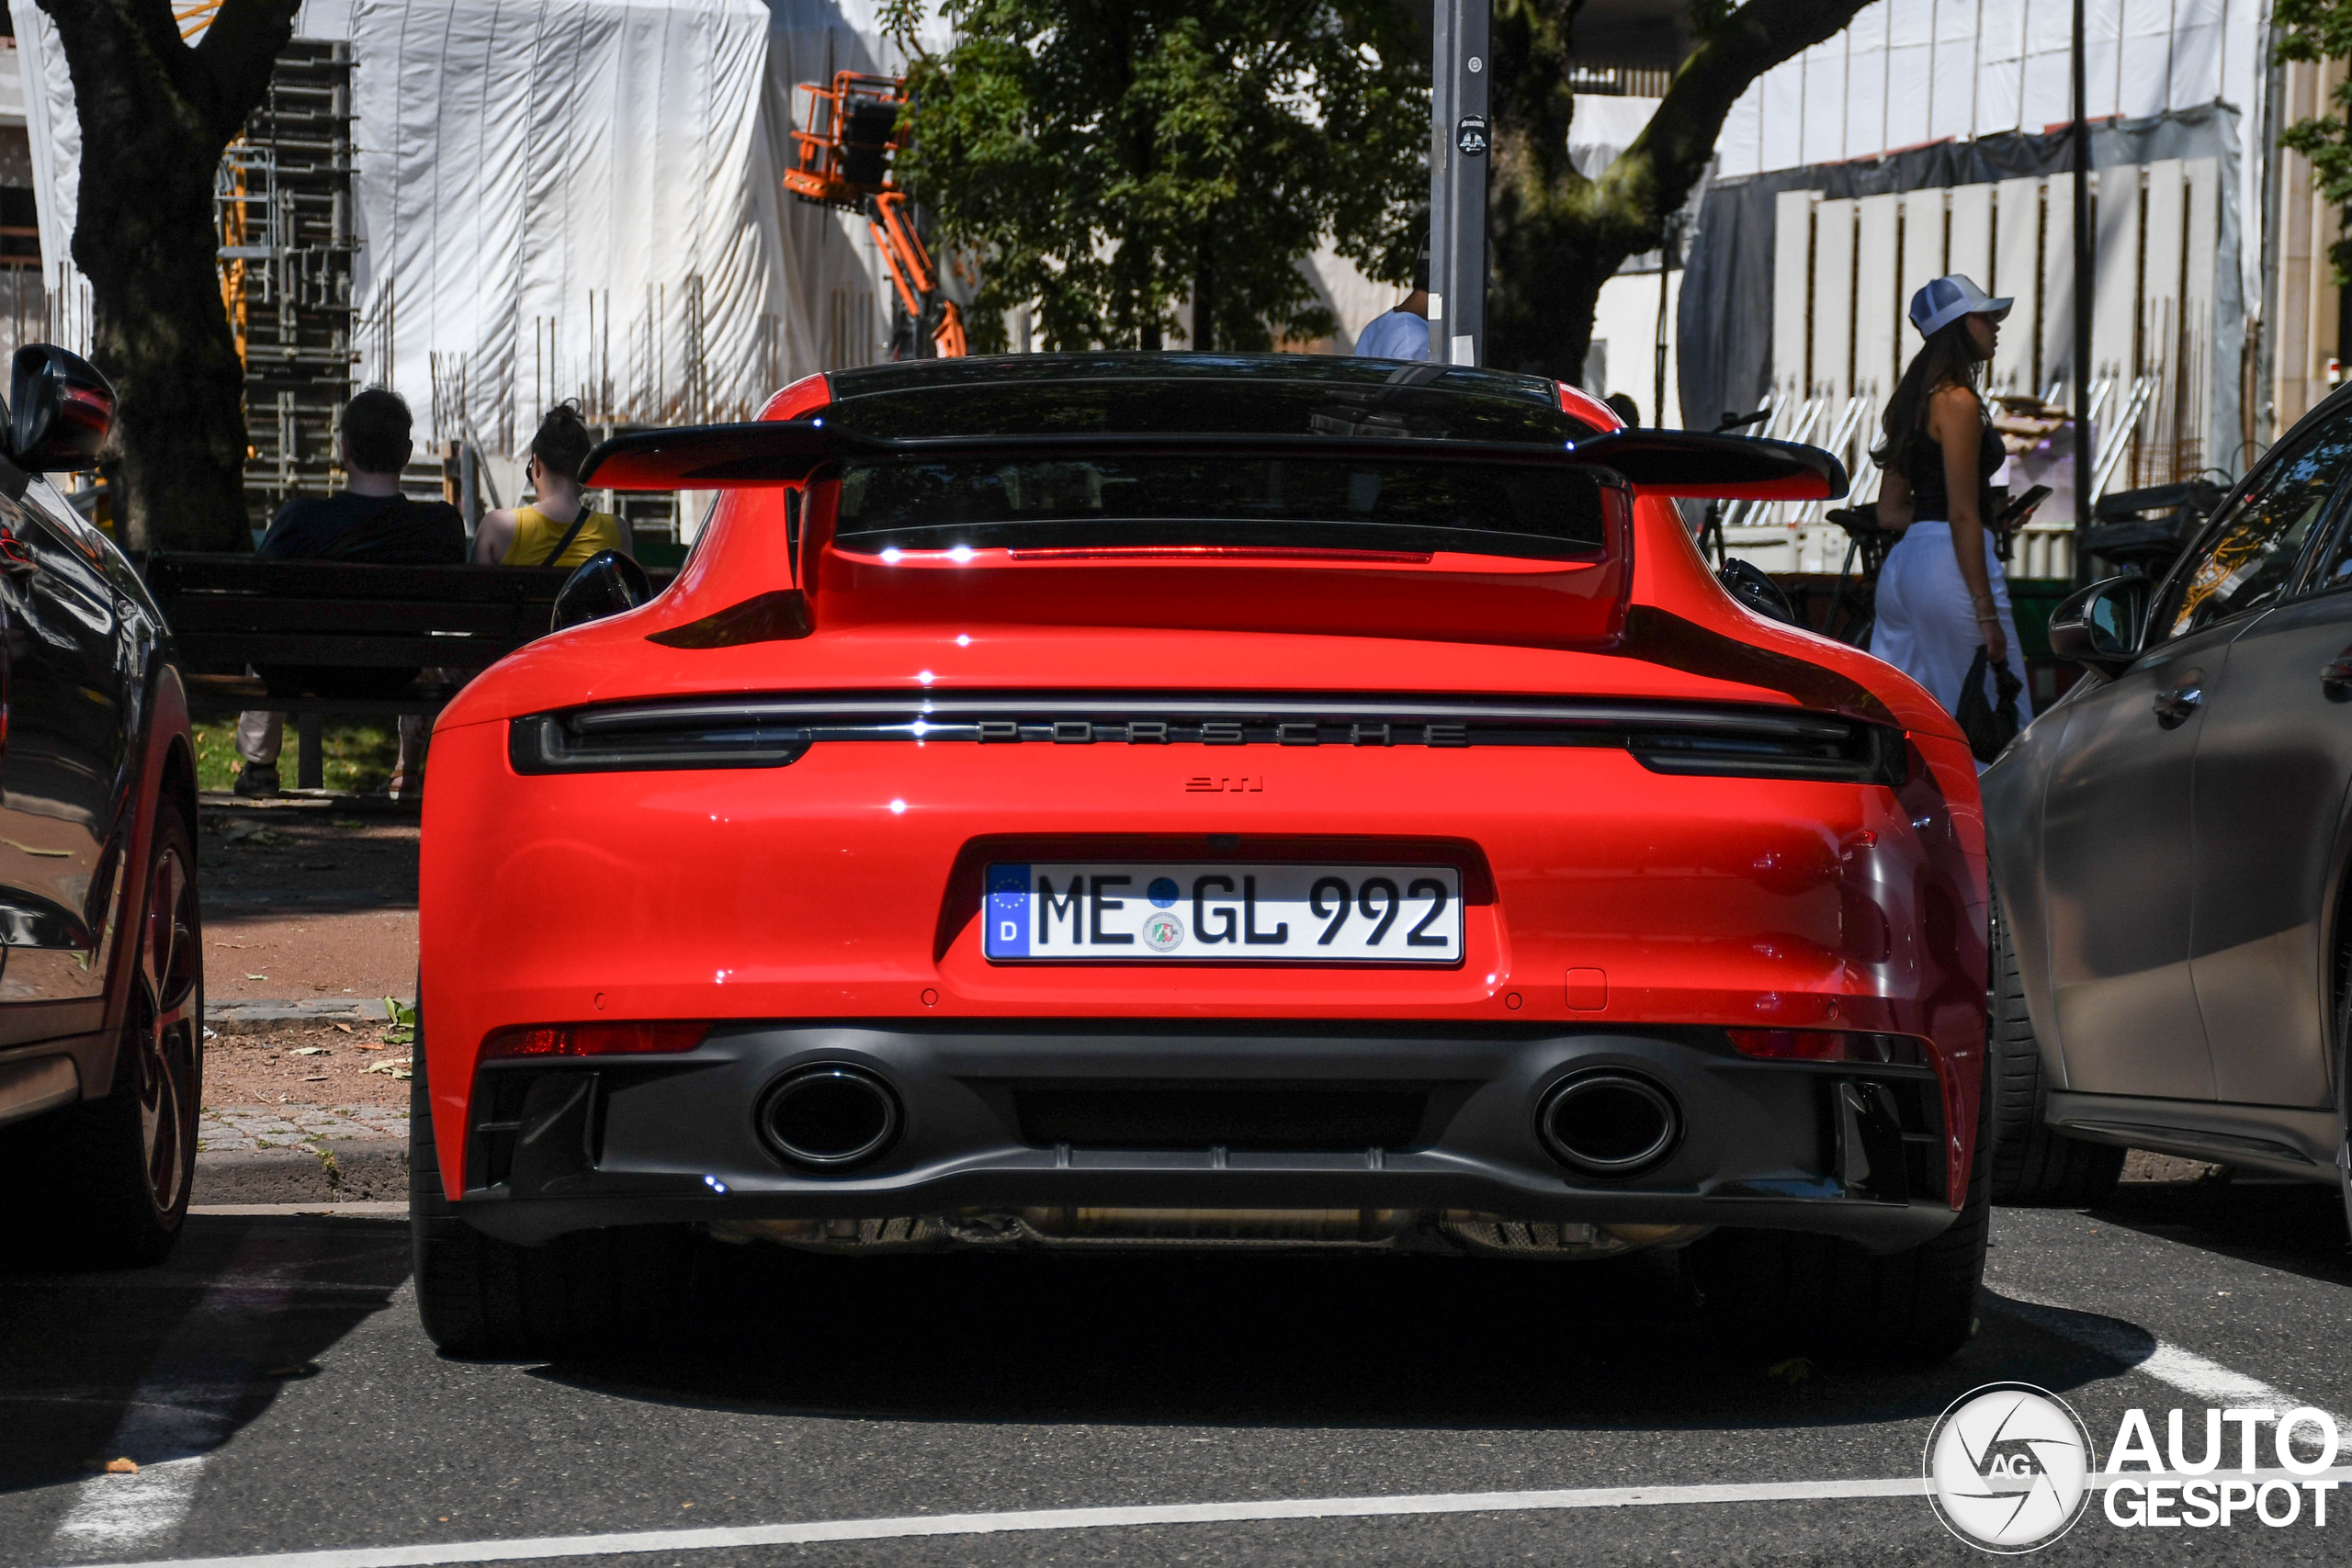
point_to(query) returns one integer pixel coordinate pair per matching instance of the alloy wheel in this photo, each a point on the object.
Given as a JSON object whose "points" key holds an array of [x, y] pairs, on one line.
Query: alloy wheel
{"points": [[162, 1026]]}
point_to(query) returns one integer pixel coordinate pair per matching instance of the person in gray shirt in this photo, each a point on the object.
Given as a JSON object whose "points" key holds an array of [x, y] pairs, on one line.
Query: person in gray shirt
{"points": [[1403, 332]]}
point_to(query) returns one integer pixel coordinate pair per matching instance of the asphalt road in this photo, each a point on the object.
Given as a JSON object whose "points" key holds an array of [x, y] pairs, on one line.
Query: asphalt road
{"points": [[273, 1385]]}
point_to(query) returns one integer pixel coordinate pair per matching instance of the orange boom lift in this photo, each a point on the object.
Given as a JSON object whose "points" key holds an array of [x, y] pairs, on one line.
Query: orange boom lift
{"points": [[844, 162]]}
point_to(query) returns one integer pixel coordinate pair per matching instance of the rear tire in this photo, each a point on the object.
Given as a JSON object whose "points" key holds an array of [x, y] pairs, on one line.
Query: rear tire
{"points": [[2033, 1163], [480, 1297], [2343, 1046], [105, 1183], [1767, 1294]]}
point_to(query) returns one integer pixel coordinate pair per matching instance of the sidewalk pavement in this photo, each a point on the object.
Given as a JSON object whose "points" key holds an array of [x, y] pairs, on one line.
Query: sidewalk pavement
{"points": [[310, 913], [286, 1154]]}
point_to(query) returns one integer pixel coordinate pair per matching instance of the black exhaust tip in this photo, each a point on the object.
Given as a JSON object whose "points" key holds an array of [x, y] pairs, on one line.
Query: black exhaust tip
{"points": [[830, 1117], [1609, 1123]]}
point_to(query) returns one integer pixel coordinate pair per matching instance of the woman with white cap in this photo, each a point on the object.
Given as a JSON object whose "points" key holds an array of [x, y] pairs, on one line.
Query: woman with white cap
{"points": [[1941, 594]]}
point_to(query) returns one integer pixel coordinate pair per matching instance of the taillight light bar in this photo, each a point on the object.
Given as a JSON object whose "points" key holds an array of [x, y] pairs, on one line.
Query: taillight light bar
{"points": [[1830, 1045], [592, 1039]]}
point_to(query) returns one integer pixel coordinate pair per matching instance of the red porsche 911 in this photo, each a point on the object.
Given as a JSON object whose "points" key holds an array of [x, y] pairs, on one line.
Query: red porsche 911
{"points": [[1109, 800]]}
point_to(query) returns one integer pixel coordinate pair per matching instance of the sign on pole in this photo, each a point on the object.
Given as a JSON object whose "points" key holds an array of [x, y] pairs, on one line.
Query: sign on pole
{"points": [[1460, 143]]}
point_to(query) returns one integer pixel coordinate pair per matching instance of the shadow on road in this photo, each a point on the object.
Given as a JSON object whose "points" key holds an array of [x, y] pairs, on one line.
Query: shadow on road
{"points": [[2295, 1226], [160, 1363], [170, 1361], [1232, 1340]]}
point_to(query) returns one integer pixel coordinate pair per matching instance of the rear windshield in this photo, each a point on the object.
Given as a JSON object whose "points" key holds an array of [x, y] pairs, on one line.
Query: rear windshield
{"points": [[1333, 504], [1422, 403]]}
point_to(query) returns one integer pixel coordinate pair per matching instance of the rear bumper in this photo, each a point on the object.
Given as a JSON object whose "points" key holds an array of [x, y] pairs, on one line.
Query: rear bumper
{"points": [[987, 1125]]}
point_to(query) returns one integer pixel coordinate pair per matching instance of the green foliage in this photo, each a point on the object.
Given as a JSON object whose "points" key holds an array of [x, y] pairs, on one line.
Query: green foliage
{"points": [[2312, 32], [358, 757], [1109, 160]]}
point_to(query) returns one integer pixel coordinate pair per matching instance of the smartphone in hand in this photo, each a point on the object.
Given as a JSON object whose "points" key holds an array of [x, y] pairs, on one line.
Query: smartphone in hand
{"points": [[2020, 509]]}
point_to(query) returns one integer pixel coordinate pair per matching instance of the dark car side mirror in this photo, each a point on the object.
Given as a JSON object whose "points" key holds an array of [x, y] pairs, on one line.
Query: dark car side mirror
{"points": [[606, 583], [63, 410], [1745, 581], [2100, 628]]}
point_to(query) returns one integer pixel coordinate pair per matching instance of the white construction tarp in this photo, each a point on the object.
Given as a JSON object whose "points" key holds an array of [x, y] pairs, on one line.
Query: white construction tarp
{"points": [[574, 199], [1906, 73]]}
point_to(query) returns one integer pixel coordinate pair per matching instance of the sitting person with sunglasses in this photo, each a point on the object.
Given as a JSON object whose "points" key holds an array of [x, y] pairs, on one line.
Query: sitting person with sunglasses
{"points": [[557, 528]]}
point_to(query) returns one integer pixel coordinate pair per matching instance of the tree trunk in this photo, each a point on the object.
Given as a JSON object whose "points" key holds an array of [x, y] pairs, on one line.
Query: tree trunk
{"points": [[155, 115], [1556, 236]]}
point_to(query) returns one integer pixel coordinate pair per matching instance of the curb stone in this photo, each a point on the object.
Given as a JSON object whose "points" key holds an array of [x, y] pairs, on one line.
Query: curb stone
{"points": [[339, 1209], [323, 1171], [255, 1018]]}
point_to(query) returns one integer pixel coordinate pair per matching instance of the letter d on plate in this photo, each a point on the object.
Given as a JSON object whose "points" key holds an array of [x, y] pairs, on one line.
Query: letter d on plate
{"points": [[1004, 912]]}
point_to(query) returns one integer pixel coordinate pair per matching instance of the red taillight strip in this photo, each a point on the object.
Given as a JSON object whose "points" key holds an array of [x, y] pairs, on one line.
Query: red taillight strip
{"points": [[1830, 1045], [592, 1039]]}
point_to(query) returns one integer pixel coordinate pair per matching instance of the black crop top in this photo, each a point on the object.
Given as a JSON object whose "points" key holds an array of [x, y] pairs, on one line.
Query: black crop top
{"points": [[1923, 465]]}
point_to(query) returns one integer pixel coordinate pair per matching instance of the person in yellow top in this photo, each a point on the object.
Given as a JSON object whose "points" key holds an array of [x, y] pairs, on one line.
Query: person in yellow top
{"points": [[557, 528]]}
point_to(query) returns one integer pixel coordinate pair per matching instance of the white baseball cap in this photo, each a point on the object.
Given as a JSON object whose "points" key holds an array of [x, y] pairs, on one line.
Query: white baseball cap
{"points": [[1943, 300]]}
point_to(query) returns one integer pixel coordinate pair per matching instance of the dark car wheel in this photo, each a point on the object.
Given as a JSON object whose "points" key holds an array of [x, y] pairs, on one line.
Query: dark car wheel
{"points": [[2033, 1164], [1767, 1294], [105, 1183], [478, 1296]]}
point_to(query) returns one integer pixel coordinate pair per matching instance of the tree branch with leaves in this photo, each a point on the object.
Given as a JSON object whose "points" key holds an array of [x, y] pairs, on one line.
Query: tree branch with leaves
{"points": [[1119, 167], [2313, 32]]}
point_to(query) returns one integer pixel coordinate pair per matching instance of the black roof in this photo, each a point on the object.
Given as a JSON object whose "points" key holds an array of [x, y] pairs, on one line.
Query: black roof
{"points": [[1031, 394]]}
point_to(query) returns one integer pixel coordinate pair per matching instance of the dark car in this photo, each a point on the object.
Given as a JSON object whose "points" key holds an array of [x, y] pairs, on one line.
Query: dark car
{"points": [[101, 958], [2169, 846]]}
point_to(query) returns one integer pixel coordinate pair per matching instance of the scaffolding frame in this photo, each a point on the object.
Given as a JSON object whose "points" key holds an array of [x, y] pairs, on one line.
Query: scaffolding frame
{"points": [[283, 203]]}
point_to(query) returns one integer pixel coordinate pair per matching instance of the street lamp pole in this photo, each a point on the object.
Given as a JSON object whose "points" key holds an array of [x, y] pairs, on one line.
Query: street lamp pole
{"points": [[2084, 266], [1460, 140]]}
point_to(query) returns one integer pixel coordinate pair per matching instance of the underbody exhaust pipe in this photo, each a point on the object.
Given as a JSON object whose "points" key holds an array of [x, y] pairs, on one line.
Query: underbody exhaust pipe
{"points": [[830, 1117], [1609, 1123]]}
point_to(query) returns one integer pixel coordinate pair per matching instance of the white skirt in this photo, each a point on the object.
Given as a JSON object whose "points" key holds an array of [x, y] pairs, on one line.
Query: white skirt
{"points": [[1927, 627]]}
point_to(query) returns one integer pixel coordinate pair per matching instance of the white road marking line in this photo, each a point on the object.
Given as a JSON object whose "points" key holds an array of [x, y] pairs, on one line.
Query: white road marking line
{"points": [[114, 1512], [168, 1425], [2202, 1380], [727, 1537]]}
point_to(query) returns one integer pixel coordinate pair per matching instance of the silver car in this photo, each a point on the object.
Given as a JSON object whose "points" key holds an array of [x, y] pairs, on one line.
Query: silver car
{"points": [[2172, 961]]}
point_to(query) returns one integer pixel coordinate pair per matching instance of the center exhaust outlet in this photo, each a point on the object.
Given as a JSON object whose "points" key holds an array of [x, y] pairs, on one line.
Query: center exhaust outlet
{"points": [[1609, 1123], [830, 1117]]}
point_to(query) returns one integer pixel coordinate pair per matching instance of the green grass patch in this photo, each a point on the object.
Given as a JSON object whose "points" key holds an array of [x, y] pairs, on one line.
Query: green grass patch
{"points": [[359, 757]]}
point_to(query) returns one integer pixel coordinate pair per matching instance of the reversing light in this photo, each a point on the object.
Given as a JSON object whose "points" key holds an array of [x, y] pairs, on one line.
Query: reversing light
{"points": [[593, 1040], [1828, 1046]]}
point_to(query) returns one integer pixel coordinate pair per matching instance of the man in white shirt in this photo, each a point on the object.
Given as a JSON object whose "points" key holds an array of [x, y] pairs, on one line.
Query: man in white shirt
{"points": [[1403, 332]]}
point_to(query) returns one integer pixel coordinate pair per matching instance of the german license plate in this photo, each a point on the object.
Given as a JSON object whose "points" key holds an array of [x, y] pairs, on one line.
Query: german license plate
{"points": [[1225, 914]]}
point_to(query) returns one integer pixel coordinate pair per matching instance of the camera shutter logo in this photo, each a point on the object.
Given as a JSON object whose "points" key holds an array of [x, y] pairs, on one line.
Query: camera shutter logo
{"points": [[2008, 1467]]}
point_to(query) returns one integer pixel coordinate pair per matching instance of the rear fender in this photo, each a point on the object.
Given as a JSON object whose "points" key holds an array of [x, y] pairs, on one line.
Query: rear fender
{"points": [[2016, 791]]}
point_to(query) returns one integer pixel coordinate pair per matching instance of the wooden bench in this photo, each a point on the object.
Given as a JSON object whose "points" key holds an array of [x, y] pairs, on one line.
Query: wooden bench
{"points": [[231, 613]]}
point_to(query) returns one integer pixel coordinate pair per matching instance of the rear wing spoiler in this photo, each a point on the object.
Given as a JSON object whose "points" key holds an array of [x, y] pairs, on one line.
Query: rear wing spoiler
{"points": [[1653, 462]]}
